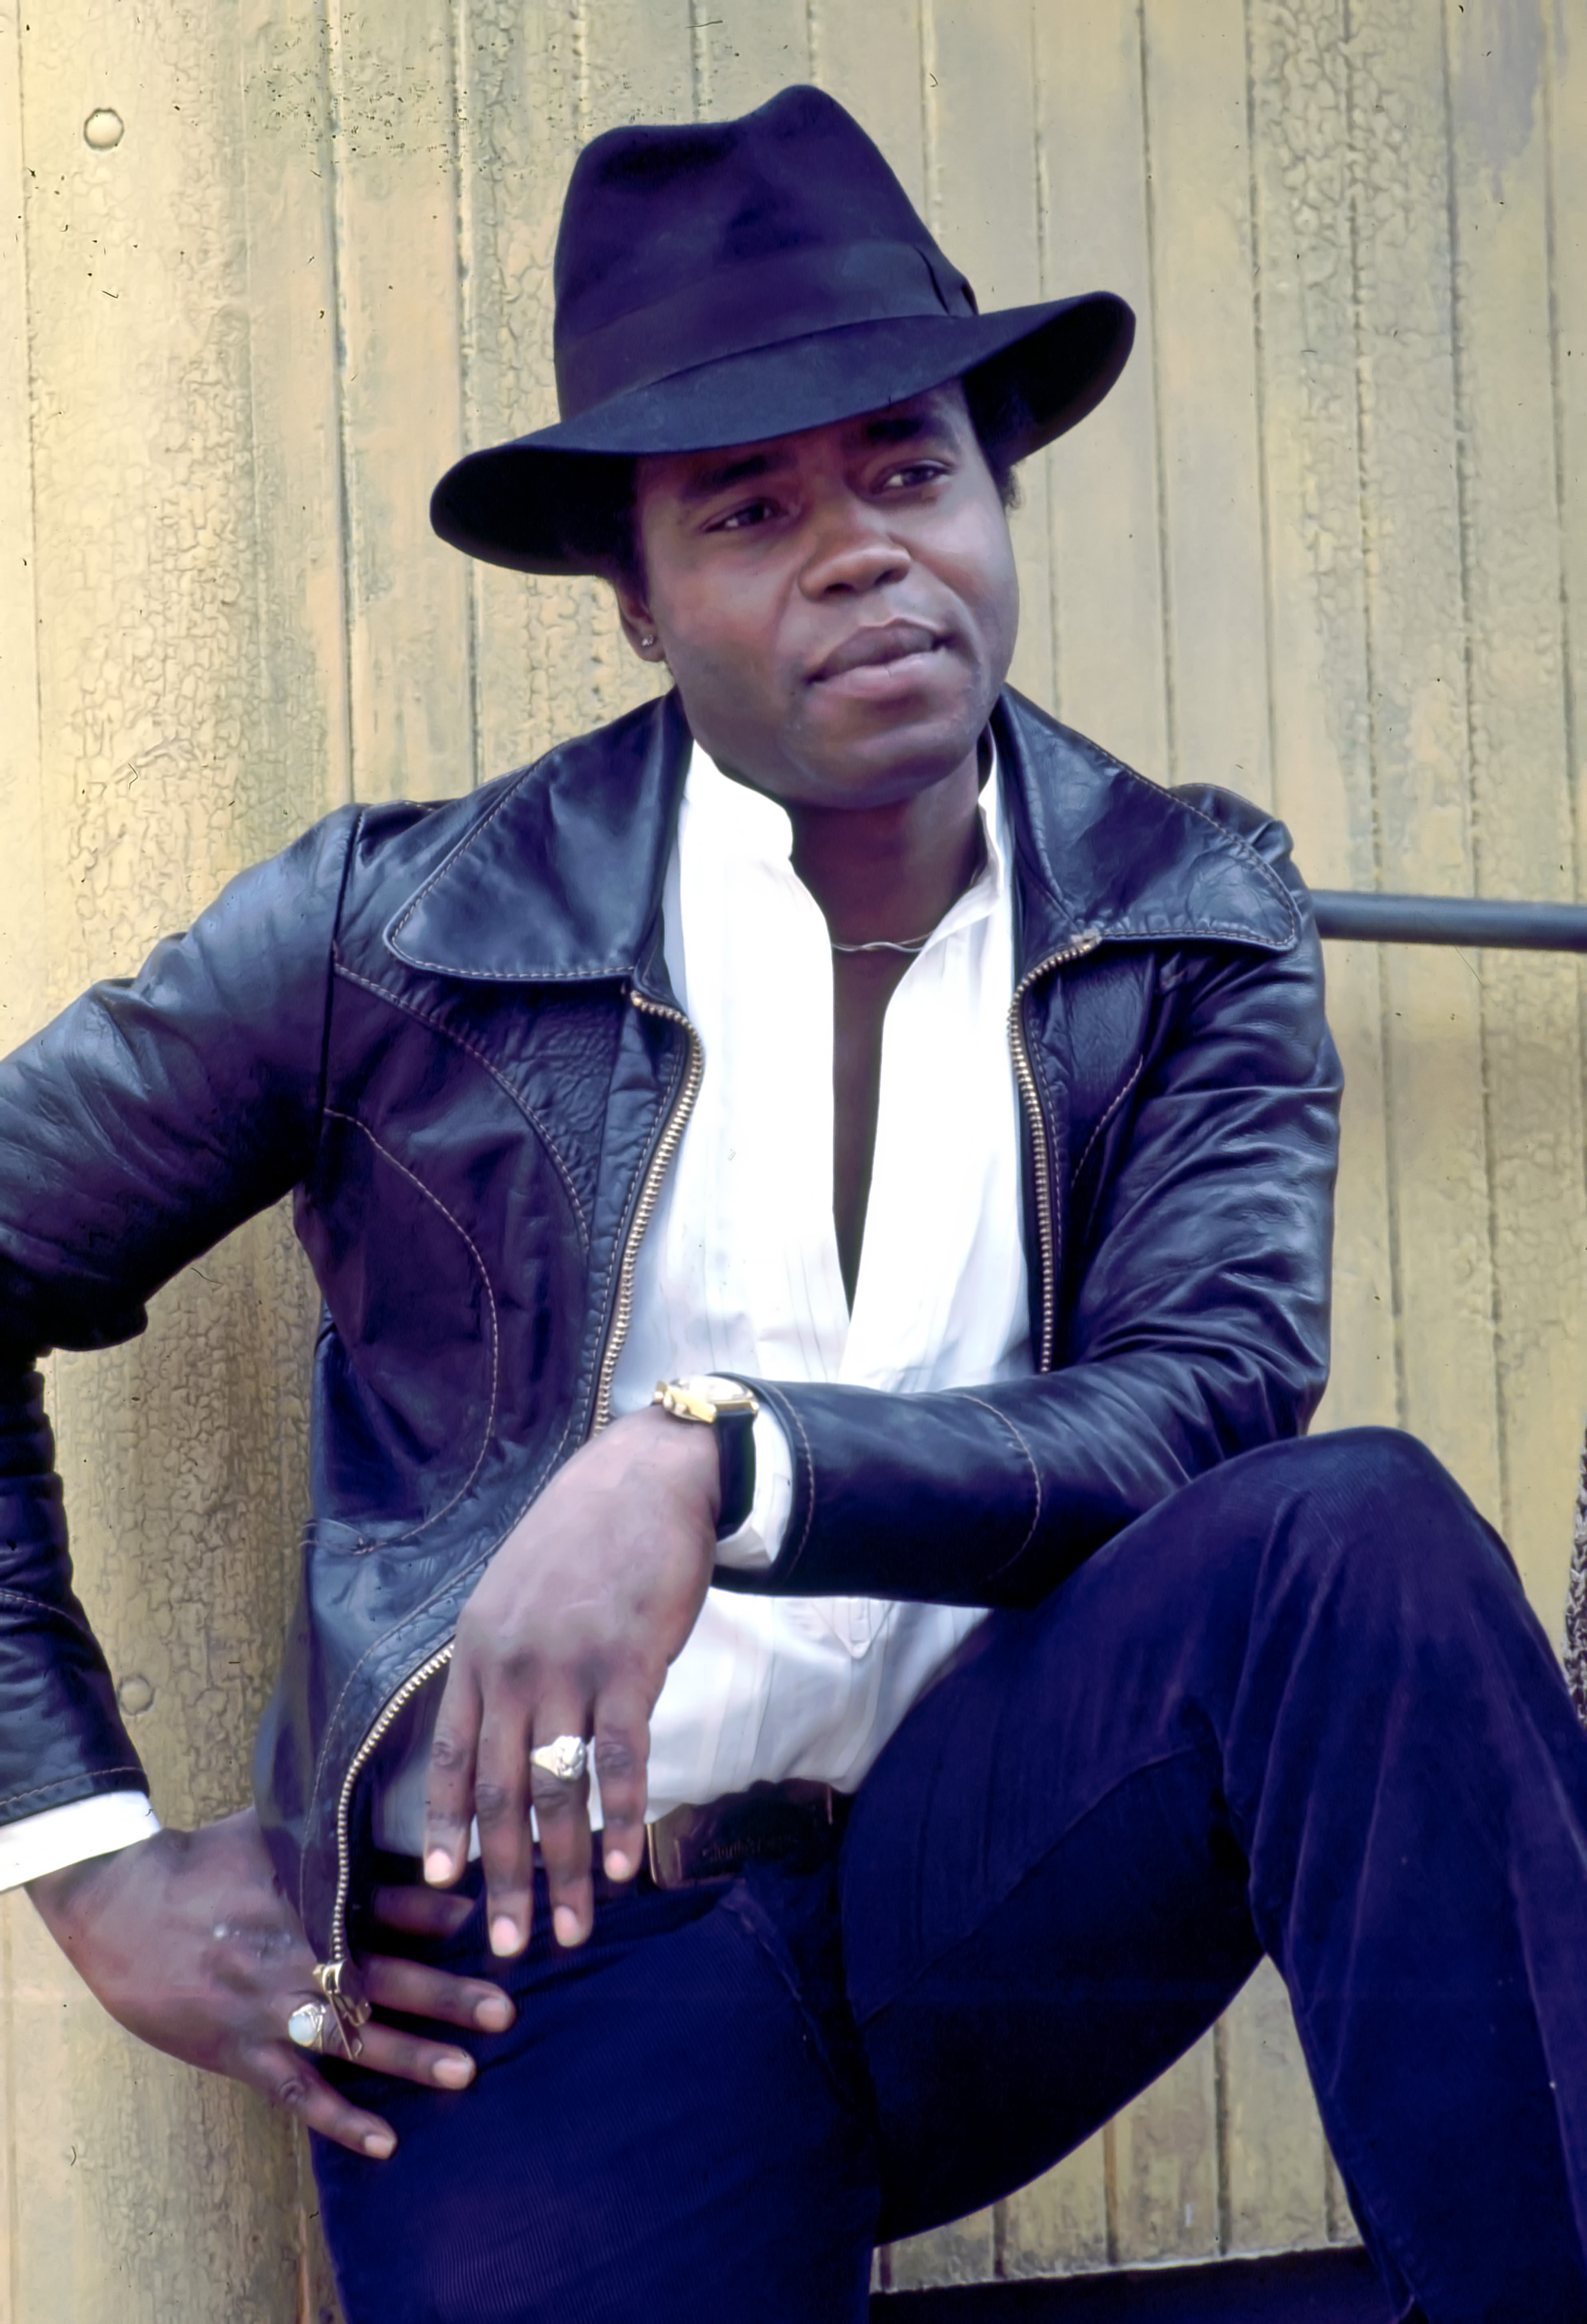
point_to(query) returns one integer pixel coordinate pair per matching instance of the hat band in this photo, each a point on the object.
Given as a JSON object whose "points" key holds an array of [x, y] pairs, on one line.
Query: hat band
{"points": [[757, 303]]}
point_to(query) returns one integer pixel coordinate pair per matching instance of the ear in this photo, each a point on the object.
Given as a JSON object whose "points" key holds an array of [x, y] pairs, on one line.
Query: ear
{"points": [[638, 626]]}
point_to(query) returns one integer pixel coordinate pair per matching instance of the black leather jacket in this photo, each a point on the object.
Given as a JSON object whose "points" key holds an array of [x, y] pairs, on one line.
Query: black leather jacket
{"points": [[448, 1031]]}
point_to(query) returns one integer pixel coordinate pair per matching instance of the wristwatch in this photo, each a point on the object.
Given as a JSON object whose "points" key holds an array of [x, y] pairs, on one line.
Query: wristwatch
{"points": [[730, 1408]]}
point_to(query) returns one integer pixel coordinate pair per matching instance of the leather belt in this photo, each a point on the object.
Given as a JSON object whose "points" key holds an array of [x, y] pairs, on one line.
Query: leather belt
{"points": [[769, 1822]]}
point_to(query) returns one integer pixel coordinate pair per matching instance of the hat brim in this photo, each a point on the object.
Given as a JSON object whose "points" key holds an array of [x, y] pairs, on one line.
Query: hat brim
{"points": [[534, 504]]}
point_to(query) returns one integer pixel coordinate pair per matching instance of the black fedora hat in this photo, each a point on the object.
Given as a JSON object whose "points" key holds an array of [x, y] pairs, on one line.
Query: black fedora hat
{"points": [[729, 282]]}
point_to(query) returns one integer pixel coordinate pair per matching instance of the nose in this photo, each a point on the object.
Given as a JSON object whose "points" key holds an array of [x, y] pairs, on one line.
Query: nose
{"points": [[854, 550]]}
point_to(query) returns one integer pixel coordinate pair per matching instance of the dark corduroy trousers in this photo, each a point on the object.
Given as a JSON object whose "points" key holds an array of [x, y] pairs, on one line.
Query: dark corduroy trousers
{"points": [[1302, 1708]]}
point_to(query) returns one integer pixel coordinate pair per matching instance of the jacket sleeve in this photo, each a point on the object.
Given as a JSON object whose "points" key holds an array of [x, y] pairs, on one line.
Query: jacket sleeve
{"points": [[1197, 1329], [149, 1118]]}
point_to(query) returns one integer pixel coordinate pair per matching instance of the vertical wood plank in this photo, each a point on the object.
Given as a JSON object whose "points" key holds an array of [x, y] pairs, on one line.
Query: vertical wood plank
{"points": [[964, 2252], [1565, 91], [868, 58], [1198, 160], [1058, 2223], [1321, 671], [1565, 94], [160, 780], [538, 81], [1276, 2195], [289, 174], [982, 182], [1521, 805], [396, 151], [1417, 629], [1102, 507], [23, 929], [1165, 2150], [745, 50]]}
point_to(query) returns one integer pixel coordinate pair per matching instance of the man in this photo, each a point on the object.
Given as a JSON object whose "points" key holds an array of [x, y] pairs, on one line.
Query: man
{"points": [[945, 1114]]}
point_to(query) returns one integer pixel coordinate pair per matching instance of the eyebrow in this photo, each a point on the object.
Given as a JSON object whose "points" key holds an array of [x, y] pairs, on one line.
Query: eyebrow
{"points": [[904, 428], [705, 481], [883, 428]]}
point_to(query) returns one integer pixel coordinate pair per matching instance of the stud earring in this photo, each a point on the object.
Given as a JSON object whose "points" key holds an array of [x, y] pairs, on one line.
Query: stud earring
{"points": [[649, 639]]}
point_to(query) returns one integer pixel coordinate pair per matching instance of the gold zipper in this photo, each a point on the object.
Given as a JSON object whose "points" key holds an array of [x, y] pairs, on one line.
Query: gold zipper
{"points": [[1041, 1158], [667, 1146]]}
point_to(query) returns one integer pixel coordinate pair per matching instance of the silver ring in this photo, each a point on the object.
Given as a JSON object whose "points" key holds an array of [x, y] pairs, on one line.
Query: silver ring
{"points": [[312, 2024], [306, 2025], [566, 1758]]}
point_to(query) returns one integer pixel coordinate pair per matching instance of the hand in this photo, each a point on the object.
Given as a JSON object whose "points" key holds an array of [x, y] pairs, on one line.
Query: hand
{"points": [[188, 1940], [570, 1632]]}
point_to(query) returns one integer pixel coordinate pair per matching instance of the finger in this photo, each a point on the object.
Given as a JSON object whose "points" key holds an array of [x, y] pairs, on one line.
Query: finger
{"points": [[387, 2050], [415, 1991], [289, 2080], [622, 1751], [563, 1814], [501, 1803], [448, 1804], [420, 1912]]}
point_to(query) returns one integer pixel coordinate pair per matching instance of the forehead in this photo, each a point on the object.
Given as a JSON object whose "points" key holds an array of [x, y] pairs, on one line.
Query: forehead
{"points": [[940, 412]]}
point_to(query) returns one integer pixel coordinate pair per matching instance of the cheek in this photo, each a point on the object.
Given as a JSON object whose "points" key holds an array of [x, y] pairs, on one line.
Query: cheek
{"points": [[722, 638], [976, 563]]}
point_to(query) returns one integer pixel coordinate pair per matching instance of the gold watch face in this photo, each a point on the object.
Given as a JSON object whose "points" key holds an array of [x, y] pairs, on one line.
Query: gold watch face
{"points": [[706, 1397]]}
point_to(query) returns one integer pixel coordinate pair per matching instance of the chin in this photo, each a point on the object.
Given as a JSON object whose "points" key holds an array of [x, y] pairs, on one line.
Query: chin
{"points": [[897, 747]]}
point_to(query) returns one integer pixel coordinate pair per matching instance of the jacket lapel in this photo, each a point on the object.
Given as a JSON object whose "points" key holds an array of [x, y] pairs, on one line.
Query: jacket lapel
{"points": [[1104, 853], [560, 875]]}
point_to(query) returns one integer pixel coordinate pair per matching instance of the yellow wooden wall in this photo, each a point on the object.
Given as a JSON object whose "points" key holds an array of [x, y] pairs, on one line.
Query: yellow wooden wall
{"points": [[1327, 543]]}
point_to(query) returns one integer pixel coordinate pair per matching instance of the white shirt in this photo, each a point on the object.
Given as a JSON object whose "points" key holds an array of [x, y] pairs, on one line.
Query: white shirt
{"points": [[738, 1274]]}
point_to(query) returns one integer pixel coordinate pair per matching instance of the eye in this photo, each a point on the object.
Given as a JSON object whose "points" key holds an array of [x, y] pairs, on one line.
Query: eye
{"points": [[741, 519], [915, 473]]}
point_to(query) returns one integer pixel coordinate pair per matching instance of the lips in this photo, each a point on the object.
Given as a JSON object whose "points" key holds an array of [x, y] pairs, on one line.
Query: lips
{"points": [[869, 649]]}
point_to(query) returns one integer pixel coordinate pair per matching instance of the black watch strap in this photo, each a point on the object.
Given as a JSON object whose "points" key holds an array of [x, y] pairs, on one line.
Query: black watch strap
{"points": [[735, 1451], [730, 1409]]}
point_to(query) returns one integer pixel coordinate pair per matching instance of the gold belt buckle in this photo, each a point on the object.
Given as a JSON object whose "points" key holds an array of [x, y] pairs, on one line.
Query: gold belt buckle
{"points": [[666, 1840]]}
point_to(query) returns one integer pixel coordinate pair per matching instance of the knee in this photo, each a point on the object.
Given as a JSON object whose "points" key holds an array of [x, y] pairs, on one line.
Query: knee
{"points": [[1376, 1516], [1373, 1474]]}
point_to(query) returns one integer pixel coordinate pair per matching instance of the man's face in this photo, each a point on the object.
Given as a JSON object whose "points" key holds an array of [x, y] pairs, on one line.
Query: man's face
{"points": [[838, 608]]}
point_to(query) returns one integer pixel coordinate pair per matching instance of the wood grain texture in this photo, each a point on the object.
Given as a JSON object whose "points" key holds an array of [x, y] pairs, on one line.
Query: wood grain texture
{"points": [[394, 119], [158, 779], [1102, 500], [1518, 743], [539, 80], [1326, 543], [981, 174]]}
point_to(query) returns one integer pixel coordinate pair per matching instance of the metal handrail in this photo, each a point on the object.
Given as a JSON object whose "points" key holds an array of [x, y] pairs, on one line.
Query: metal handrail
{"points": [[1344, 913]]}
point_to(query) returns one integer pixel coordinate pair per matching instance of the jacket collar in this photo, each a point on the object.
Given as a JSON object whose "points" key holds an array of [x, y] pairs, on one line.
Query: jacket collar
{"points": [[558, 875]]}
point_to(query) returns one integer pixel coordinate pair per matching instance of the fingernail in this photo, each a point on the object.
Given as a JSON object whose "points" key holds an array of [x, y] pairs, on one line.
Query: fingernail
{"points": [[618, 1866], [504, 1934], [438, 1866], [454, 2073], [380, 2143], [494, 2015], [568, 1927]]}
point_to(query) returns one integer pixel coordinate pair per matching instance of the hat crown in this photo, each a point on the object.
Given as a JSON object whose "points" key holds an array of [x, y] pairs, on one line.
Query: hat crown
{"points": [[680, 241]]}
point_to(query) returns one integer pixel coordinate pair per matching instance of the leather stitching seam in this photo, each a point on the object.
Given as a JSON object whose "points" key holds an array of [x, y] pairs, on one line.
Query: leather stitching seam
{"points": [[461, 1041], [1115, 1102], [982, 1404], [11, 1799]]}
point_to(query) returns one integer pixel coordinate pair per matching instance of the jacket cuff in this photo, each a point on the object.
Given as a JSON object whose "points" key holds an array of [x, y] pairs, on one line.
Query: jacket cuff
{"points": [[932, 1497], [61, 1735]]}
